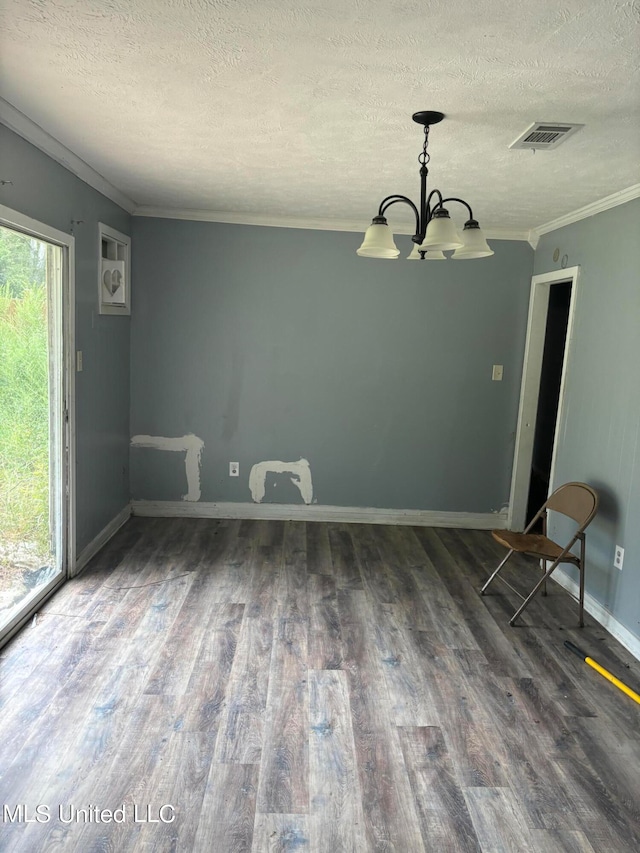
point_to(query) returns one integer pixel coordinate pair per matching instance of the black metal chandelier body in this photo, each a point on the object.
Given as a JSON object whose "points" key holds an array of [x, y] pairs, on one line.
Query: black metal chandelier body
{"points": [[435, 232]]}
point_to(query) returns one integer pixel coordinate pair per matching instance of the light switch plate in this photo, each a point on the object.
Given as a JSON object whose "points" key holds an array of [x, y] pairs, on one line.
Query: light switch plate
{"points": [[496, 374]]}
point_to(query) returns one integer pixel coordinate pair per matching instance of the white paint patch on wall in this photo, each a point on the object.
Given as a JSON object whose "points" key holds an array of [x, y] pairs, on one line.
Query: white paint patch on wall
{"points": [[300, 474], [190, 445]]}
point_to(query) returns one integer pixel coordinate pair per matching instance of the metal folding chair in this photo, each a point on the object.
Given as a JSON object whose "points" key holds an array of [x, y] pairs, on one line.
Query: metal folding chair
{"points": [[575, 500]]}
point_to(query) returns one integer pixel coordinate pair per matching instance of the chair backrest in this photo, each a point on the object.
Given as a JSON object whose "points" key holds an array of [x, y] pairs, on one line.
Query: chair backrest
{"points": [[577, 500]]}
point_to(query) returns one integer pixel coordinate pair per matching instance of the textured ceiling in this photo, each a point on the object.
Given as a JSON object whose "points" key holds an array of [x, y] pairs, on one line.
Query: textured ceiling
{"points": [[303, 109]]}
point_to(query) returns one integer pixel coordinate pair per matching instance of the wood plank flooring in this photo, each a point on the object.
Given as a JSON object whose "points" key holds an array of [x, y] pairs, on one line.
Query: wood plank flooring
{"points": [[312, 687]]}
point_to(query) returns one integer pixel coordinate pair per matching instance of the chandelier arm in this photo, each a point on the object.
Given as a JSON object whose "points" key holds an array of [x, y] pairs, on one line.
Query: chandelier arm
{"points": [[459, 200], [386, 203], [429, 209]]}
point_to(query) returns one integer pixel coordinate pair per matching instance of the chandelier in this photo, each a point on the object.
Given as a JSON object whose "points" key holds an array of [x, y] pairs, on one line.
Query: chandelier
{"points": [[435, 231]]}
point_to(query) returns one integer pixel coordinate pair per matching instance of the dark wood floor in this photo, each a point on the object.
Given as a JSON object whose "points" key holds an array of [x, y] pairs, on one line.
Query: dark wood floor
{"points": [[312, 687]]}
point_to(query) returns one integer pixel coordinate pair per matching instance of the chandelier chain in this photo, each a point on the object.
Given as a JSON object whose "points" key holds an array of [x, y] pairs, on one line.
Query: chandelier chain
{"points": [[424, 157]]}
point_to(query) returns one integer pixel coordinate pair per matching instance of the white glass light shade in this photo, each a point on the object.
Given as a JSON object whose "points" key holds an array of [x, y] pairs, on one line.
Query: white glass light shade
{"points": [[378, 242], [428, 256], [475, 245], [441, 233]]}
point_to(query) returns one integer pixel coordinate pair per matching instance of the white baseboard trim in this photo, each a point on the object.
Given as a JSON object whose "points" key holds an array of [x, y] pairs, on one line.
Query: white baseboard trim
{"points": [[600, 614], [101, 539], [319, 512]]}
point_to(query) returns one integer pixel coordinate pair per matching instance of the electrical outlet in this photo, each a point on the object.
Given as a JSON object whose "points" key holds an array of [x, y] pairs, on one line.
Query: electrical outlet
{"points": [[618, 559], [234, 469]]}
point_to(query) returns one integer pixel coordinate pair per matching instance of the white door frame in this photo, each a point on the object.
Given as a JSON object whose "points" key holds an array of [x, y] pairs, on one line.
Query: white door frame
{"points": [[530, 388], [33, 228]]}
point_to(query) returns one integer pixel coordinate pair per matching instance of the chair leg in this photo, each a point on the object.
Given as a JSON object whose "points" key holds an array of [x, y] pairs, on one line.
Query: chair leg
{"points": [[543, 563], [495, 574], [581, 567], [542, 580]]}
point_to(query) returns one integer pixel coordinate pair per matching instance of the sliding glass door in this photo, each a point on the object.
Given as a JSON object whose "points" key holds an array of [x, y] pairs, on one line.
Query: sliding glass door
{"points": [[34, 435]]}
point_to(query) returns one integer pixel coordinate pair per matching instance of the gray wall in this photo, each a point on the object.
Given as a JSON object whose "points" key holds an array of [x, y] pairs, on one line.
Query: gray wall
{"points": [[273, 343], [276, 343], [44, 190], [599, 438]]}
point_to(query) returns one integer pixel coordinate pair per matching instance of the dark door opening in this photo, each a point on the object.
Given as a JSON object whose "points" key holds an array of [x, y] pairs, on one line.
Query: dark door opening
{"points": [[549, 398]]}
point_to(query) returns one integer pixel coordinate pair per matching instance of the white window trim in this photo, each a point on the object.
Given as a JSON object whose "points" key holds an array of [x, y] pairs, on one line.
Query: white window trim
{"points": [[32, 227]]}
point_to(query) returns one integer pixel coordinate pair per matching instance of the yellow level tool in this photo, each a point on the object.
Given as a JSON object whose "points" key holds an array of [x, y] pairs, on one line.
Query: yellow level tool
{"points": [[619, 684]]}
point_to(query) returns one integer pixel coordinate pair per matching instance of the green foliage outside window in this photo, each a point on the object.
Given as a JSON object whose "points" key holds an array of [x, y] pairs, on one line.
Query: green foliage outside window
{"points": [[24, 391]]}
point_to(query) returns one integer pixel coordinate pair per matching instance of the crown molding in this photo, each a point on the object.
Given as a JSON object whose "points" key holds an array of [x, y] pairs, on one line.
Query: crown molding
{"points": [[33, 133], [533, 239], [357, 226], [521, 235], [606, 203], [230, 218]]}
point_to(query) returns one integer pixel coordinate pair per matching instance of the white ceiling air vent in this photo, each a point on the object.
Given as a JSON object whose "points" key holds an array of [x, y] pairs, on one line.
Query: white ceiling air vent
{"points": [[543, 135]]}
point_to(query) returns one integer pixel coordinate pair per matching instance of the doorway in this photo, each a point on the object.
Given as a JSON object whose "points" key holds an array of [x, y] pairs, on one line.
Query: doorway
{"points": [[35, 436], [547, 356], [549, 395]]}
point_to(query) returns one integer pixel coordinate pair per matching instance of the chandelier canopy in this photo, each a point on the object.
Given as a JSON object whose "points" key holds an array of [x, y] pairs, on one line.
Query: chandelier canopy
{"points": [[435, 231]]}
